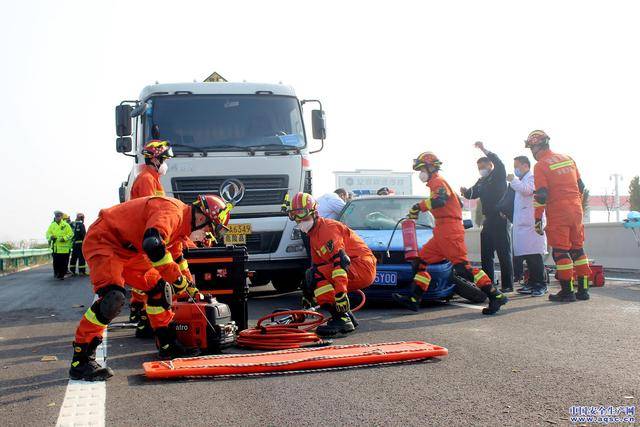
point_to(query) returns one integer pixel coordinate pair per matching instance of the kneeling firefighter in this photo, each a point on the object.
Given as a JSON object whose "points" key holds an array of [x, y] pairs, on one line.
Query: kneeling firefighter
{"points": [[447, 242], [341, 261], [153, 227]]}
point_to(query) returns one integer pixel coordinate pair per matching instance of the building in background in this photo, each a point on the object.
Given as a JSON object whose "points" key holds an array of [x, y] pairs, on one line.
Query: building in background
{"points": [[367, 181]]}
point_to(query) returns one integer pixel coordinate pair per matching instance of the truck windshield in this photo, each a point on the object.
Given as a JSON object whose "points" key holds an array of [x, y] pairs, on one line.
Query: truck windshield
{"points": [[225, 122]]}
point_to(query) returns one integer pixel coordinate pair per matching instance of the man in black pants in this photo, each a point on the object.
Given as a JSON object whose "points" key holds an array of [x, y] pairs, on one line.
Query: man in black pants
{"points": [[79, 231], [496, 232]]}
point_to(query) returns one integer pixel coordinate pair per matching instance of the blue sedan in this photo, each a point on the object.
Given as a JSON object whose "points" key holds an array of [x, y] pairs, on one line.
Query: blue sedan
{"points": [[374, 219]]}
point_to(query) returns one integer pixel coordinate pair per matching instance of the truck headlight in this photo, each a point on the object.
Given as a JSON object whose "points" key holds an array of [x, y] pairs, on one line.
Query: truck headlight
{"points": [[296, 234]]}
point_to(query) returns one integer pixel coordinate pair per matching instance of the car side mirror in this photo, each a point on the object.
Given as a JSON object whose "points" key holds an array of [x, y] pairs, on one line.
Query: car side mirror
{"points": [[319, 125], [123, 120], [124, 145]]}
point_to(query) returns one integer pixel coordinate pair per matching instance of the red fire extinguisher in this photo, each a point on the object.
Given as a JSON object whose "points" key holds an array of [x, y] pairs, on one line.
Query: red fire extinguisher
{"points": [[409, 239]]}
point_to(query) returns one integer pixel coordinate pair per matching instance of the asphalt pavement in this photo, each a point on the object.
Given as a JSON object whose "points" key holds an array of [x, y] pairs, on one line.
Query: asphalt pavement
{"points": [[526, 366]]}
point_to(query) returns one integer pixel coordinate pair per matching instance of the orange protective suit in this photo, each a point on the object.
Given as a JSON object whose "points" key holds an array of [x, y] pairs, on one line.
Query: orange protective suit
{"points": [[557, 177], [327, 238], [113, 250], [147, 183], [447, 242]]}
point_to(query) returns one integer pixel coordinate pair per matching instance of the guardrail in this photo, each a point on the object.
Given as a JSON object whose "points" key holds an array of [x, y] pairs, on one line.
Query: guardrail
{"points": [[608, 244], [14, 259]]}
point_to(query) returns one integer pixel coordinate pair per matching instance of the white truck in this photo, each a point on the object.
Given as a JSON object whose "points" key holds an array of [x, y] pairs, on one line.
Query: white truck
{"points": [[243, 141]]}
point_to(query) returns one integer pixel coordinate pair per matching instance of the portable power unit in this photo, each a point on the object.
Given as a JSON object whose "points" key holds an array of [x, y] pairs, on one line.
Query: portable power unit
{"points": [[220, 272], [193, 330]]}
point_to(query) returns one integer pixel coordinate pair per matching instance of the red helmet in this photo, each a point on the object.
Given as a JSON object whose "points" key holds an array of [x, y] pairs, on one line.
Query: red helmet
{"points": [[215, 210], [426, 159], [537, 137], [157, 149], [302, 206]]}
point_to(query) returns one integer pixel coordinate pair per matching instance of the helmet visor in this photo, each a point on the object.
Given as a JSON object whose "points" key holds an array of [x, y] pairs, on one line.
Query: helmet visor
{"points": [[417, 164], [299, 214]]}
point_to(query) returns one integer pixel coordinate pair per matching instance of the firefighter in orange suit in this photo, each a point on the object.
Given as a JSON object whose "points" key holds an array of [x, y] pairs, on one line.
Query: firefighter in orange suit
{"points": [[147, 183], [342, 263], [559, 192], [447, 242], [153, 227]]}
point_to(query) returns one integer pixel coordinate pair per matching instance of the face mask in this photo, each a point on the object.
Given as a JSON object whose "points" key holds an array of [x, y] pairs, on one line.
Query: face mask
{"points": [[163, 169], [518, 173], [306, 225], [424, 176], [484, 172]]}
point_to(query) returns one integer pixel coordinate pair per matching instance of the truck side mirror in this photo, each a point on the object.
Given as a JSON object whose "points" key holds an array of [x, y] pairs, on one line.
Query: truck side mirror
{"points": [[319, 125], [123, 145], [123, 120]]}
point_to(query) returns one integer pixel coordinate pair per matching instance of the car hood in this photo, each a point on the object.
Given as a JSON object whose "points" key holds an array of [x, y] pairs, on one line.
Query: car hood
{"points": [[377, 240]]}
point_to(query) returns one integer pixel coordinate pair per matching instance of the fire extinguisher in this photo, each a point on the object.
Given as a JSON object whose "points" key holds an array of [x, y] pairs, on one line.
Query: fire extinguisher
{"points": [[409, 239]]}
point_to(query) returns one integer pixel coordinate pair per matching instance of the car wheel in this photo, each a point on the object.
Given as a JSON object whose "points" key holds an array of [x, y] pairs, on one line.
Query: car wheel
{"points": [[469, 291], [260, 278], [287, 280]]}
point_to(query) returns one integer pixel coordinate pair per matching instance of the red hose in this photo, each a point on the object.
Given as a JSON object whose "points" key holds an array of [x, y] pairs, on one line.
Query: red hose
{"points": [[293, 335]]}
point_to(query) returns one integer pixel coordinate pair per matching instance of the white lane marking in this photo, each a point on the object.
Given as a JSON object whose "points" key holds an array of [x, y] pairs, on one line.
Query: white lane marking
{"points": [[461, 304], [84, 401]]}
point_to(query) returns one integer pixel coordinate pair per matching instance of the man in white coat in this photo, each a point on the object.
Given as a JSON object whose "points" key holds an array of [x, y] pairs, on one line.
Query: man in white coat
{"points": [[527, 243], [330, 205]]}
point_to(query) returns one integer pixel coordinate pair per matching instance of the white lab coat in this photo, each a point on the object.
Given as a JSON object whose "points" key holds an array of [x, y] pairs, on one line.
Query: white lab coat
{"points": [[525, 239]]}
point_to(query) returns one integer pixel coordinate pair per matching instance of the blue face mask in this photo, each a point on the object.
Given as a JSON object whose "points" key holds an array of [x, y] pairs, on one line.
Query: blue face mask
{"points": [[518, 173]]}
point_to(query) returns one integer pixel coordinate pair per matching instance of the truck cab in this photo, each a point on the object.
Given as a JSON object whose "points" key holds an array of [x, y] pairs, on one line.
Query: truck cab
{"points": [[245, 142]]}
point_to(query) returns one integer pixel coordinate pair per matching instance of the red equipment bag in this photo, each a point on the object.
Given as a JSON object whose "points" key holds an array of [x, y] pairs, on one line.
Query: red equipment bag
{"points": [[294, 360], [193, 330], [409, 239]]}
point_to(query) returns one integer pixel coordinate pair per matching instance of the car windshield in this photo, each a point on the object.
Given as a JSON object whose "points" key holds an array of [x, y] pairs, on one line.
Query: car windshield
{"points": [[195, 123], [382, 213]]}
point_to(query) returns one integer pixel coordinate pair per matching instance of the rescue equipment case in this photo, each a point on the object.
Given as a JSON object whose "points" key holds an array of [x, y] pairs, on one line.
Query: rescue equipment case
{"points": [[220, 272], [193, 330]]}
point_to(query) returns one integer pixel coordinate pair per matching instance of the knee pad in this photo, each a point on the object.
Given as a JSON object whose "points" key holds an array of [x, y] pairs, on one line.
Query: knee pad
{"points": [[161, 295], [559, 254], [576, 253], [463, 270], [108, 306]]}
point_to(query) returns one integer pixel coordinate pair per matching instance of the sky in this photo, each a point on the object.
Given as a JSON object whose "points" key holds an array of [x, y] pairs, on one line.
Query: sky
{"points": [[395, 79]]}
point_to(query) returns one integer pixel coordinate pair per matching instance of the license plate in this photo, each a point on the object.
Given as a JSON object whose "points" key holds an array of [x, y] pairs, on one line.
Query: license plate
{"points": [[386, 279], [237, 234]]}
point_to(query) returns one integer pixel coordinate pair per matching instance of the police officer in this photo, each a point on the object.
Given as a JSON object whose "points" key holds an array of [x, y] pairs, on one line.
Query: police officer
{"points": [[79, 231]]}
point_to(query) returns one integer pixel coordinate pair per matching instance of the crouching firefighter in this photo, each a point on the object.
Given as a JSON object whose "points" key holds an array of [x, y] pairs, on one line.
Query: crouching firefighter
{"points": [[447, 242], [341, 263], [153, 227]]}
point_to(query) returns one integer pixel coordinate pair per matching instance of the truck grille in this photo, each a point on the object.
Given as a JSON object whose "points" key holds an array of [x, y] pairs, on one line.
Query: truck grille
{"points": [[259, 190], [265, 242]]}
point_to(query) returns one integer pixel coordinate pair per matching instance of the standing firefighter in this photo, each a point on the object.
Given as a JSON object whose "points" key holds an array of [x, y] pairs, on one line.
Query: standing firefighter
{"points": [[559, 192], [79, 231], [147, 183], [154, 228], [448, 239], [60, 237], [342, 263]]}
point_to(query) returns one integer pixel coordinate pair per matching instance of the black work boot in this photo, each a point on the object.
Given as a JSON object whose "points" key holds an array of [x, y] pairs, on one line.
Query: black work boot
{"points": [[412, 300], [135, 308], [353, 319], [566, 293], [144, 329], [340, 323], [84, 365], [169, 347], [583, 288], [496, 300]]}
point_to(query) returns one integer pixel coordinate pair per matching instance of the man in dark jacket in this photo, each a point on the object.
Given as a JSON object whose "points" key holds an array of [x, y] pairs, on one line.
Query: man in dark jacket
{"points": [[496, 234], [79, 231]]}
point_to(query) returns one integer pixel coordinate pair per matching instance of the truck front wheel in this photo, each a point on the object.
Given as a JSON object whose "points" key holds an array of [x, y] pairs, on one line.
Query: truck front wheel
{"points": [[287, 280]]}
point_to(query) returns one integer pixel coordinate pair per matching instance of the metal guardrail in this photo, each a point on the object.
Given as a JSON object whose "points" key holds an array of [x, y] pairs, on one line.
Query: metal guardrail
{"points": [[14, 259]]}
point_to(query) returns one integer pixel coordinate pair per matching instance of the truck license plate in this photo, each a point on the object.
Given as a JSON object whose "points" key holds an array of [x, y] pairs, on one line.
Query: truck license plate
{"points": [[386, 278], [237, 234]]}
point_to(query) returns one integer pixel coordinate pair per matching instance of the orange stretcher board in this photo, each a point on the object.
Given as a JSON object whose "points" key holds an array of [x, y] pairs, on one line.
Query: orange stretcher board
{"points": [[300, 359]]}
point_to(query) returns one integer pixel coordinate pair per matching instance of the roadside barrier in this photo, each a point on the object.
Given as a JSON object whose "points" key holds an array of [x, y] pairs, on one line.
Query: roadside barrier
{"points": [[15, 259]]}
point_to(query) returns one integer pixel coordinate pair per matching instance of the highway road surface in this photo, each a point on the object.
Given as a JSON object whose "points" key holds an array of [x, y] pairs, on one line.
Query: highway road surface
{"points": [[526, 366]]}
